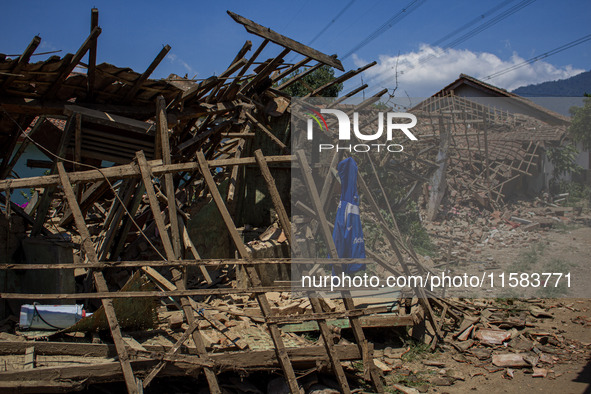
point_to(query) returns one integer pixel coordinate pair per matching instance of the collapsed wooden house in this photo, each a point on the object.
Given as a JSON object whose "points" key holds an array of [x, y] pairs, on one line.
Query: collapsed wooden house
{"points": [[147, 213], [125, 231]]}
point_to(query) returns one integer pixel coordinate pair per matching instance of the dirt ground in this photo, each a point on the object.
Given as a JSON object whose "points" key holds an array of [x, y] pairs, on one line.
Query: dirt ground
{"points": [[567, 356]]}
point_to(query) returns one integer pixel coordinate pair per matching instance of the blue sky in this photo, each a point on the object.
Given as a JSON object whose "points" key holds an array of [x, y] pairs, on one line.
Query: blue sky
{"points": [[204, 39]]}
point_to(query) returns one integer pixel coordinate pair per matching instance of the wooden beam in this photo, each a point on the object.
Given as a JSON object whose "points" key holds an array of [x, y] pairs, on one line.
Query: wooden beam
{"points": [[30, 358], [268, 132], [91, 73], [275, 197], [342, 78], [45, 202], [189, 245], [296, 78], [111, 371], [142, 78], [175, 348], [197, 262], [252, 273], [235, 82], [100, 282], [162, 125], [22, 61], [130, 171], [170, 255], [291, 69], [266, 33], [264, 73], [369, 367], [75, 60]]}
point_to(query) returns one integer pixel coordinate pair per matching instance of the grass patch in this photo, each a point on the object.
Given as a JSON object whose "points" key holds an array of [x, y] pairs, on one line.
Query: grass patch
{"points": [[552, 290], [528, 259], [418, 350], [410, 380], [565, 227]]}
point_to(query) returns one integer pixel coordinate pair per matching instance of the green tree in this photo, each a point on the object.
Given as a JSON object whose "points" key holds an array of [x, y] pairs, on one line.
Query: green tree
{"points": [[312, 81], [563, 158], [580, 127]]}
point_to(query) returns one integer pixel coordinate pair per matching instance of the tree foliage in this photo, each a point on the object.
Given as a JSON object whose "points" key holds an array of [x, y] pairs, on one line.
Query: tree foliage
{"points": [[563, 158], [312, 81], [580, 127]]}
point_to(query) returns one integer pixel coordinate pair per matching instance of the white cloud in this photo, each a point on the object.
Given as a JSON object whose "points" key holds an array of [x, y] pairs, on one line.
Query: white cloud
{"points": [[420, 78], [174, 59]]}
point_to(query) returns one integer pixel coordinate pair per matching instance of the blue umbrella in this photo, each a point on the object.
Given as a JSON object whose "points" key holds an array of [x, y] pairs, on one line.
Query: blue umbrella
{"points": [[348, 234]]}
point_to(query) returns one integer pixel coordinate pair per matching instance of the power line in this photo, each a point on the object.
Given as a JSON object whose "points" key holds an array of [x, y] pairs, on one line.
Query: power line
{"points": [[505, 14], [329, 24], [479, 29], [473, 32], [407, 10], [477, 19], [544, 55]]}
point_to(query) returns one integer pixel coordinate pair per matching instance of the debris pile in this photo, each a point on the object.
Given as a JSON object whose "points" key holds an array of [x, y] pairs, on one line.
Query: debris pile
{"points": [[166, 212]]}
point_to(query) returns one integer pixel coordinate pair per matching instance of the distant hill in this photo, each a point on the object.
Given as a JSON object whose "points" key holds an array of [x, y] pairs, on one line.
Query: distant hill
{"points": [[571, 87]]}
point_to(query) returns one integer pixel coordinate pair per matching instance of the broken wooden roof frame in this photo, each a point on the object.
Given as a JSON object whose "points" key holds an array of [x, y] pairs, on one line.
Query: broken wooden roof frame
{"points": [[189, 106]]}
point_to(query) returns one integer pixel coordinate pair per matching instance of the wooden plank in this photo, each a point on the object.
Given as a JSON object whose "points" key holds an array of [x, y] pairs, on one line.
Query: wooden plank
{"points": [[291, 69], [369, 367], [318, 208], [275, 197], [73, 63], [168, 180], [233, 186], [438, 182], [296, 78], [264, 73], [154, 204], [377, 321], [91, 73], [137, 199], [111, 371], [111, 223], [89, 197], [252, 273], [173, 350], [342, 78], [236, 80], [100, 283], [335, 362], [214, 263], [158, 278], [144, 294], [22, 61], [268, 132], [392, 239], [286, 42], [170, 254], [45, 202], [130, 171], [189, 245], [30, 358], [110, 120], [78, 142], [350, 94], [146, 74], [223, 76]]}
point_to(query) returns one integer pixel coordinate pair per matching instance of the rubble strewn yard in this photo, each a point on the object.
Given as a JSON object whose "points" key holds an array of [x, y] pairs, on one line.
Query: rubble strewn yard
{"points": [[169, 211]]}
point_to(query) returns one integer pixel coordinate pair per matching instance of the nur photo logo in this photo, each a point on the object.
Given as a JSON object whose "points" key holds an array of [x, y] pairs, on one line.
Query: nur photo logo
{"points": [[388, 123]]}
